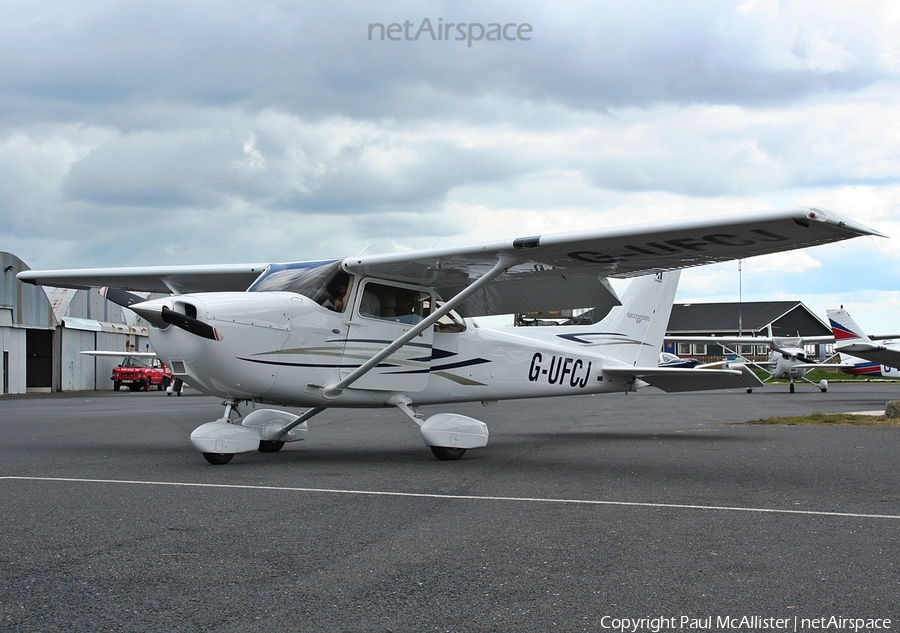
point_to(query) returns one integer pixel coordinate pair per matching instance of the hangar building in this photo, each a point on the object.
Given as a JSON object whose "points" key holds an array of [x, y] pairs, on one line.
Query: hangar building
{"points": [[43, 331]]}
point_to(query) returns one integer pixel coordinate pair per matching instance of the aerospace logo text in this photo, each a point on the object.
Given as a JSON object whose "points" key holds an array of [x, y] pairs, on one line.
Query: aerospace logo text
{"points": [[638, 318]]}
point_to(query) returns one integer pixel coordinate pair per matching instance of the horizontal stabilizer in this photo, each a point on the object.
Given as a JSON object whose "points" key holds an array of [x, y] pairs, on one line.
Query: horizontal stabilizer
{"points": [[673, 379]]}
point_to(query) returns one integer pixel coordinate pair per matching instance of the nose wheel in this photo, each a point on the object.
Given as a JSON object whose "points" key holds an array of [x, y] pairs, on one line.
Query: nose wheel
{"points": [[446, 453], [218, 458]]}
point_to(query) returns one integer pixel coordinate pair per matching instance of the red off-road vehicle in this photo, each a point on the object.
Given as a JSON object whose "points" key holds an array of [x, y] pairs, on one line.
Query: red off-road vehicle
{"points": [[141, 374]]}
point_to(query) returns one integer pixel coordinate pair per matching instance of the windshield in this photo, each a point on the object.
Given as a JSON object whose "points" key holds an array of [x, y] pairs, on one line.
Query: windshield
{"points": [[323, 282]]}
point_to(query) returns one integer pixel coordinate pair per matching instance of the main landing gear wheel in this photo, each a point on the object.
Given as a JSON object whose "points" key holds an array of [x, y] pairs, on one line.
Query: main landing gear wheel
{"points": [[447, 453], [218, 458], [266, 446]]}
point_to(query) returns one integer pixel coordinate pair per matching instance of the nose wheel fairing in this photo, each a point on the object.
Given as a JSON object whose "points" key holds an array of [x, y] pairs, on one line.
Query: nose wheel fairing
{"points": [[260, 430]]}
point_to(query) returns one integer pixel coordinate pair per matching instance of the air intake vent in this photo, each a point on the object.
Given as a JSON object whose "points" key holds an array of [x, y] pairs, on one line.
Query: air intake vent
{"points": [[178, 367]]}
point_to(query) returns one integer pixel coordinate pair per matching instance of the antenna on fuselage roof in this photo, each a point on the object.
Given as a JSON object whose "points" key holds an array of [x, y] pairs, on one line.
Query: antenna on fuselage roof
{"points": [[368, 244]]}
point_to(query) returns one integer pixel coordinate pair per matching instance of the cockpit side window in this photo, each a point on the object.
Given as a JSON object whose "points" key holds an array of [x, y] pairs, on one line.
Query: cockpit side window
{"points": [[393, 303], [450, 322]]}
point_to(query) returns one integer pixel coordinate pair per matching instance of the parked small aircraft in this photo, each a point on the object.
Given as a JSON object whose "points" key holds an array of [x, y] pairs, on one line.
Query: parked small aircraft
{"points": [[673, 360], [393, 330], [863, 355], [787, 356], [870, 369]]}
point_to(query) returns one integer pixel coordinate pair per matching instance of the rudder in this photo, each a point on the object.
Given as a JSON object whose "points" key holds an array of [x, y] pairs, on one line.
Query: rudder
{"points": [[844, 328]]}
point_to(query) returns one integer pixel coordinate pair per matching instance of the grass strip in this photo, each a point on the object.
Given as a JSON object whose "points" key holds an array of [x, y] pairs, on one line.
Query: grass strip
{"points": [[831, 419]]}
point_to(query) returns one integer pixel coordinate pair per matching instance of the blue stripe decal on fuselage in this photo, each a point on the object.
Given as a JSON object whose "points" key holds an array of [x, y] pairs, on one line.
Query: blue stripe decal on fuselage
{"points": [[464, 363], [577, 337]]}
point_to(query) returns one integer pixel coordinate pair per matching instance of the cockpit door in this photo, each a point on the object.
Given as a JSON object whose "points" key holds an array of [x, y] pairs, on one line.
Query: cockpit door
{"points": [[382, 313]]}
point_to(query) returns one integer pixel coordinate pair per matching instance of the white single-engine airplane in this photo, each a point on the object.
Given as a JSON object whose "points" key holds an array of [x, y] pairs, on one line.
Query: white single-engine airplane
{"points": [[787, 357], [390, 330]]}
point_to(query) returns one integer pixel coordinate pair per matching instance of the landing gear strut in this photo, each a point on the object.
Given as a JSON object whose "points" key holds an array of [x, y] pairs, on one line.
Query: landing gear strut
{"points": [[822, 384]]}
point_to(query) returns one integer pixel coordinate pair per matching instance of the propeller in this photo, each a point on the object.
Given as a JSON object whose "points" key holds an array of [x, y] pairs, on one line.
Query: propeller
{"points": [[189, 324], [121, 297], [792, 354]]}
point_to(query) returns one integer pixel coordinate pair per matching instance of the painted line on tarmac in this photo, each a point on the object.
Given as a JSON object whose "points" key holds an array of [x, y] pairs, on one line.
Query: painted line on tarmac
{"points": [[428, 495]]}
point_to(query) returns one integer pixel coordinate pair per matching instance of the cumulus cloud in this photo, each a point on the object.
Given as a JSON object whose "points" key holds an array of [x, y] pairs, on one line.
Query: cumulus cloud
{"points": [[236, 131]]}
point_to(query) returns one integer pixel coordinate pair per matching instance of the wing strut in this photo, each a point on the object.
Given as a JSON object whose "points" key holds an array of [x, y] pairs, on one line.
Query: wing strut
{"points": [[504, 263]]}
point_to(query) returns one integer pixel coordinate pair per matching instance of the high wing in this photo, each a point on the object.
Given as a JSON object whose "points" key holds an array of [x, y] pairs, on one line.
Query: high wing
{"points": [[168, 279], [555, 271], [561, 271]]}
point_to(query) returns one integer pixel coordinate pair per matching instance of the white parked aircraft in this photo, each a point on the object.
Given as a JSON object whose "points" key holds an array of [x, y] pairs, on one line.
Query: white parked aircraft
{"points": [[787, 356], [390, 330], [864, 356]]}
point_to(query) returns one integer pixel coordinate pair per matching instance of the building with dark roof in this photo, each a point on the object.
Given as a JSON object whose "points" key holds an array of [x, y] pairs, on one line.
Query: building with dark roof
{"points": [[757, 318]]}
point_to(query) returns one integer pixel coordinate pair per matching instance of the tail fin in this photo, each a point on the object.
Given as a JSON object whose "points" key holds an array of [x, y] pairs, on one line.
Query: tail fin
{"points": [[643, 318], [845, 329]]}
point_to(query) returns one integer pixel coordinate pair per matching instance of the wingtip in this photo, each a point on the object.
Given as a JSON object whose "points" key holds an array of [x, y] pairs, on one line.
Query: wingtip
{"points": [[836, 219]]}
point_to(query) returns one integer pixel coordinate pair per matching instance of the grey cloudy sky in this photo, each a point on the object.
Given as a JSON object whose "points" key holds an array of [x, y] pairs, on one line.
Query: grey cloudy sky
{"points": [[204, 132]]}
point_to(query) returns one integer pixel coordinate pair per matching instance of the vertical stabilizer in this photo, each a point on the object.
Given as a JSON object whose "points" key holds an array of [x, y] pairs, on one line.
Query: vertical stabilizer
{"points": [[643, 318], [845, 329]]}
